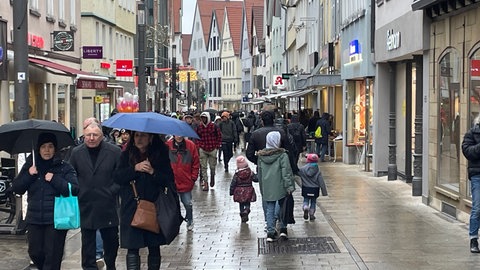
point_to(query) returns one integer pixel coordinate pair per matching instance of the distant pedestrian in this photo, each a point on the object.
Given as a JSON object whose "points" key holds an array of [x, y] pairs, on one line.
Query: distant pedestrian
{"points": [[312, 183], [229, 138], [43, 178], [471, 151], [185, 164], [241, 187], [276, 182], [322, 142], [208, 144]]}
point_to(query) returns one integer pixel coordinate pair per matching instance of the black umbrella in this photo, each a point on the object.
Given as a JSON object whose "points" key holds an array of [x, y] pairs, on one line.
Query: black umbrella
{"points": [[21, 136]]}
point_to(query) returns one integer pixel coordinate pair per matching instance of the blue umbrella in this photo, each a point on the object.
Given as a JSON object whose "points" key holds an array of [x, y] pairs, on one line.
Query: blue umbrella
{"points": [[150, 122]]}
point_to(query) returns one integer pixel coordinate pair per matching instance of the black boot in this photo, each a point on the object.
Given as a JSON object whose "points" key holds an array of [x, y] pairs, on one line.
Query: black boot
{"points": [[474, 245], [133, 262], [154, 262]]}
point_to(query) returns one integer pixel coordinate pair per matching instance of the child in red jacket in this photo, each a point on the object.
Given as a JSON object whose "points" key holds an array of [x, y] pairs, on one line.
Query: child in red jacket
{"points": [[241, 187]]}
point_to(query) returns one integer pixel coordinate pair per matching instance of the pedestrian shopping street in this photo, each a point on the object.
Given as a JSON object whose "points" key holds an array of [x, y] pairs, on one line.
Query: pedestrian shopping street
{"points": [[365, 223]]}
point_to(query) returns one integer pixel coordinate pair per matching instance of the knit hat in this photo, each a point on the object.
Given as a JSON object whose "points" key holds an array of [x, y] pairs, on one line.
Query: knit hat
{"points": [[47, 137], [217, 118], [312, 158], [273, 139], [241, 162]]}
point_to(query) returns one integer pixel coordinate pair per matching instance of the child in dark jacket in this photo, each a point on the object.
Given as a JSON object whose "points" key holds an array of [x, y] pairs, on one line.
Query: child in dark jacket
{"points": [[241, 187], [312, 182]]}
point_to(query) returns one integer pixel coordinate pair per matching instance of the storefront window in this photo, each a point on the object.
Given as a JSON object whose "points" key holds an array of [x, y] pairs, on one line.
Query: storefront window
{"points": [[449, 120], [356, 112], [474, 86]]}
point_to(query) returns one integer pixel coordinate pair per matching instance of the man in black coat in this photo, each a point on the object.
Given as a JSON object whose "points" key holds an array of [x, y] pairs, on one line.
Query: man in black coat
{"points": [[258, 139], [322, 143], [95, 161]]}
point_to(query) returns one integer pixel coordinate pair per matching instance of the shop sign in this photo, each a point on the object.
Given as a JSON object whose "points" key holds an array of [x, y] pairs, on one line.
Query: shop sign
{"points": [[124, 68], [475, 68], [63, 41], [92, 52], [355, 51], [35, 41], [393, 40], [98, 99], [278, 81], [91, 84]]}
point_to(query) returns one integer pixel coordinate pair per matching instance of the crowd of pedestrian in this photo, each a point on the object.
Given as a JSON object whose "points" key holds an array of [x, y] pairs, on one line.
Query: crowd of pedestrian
{"points": [[105, 165]]}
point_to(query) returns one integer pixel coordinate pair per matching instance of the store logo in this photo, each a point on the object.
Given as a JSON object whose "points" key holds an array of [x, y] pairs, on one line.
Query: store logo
{"points": [[1, 56], [63, 41], [393, 40]]}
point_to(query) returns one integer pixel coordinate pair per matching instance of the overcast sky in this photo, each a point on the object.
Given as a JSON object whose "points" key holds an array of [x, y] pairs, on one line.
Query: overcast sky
{"points": [[188, 14]]}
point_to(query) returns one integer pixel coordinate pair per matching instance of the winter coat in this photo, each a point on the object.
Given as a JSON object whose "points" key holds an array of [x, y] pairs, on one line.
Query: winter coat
{"points": [[97, 196], [326, 130], [241, 186], [297, 131], [471, 150], [258, 141], [312, 180], [185, 164], [41, 194], [148, 187], [229, 131], [210, 135], [274, 174]]}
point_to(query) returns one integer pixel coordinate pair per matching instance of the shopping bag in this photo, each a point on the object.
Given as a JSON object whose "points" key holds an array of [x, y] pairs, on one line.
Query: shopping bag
{"points": [[169, 216], [66, 213], [145, 216]]}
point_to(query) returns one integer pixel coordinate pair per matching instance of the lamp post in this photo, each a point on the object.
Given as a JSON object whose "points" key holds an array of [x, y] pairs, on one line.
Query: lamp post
{"points": [[142, 99], [174, 78], [20, 47]]}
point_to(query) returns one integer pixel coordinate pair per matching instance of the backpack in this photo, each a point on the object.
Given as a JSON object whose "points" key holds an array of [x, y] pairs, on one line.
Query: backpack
{"points": [[318, 132]]}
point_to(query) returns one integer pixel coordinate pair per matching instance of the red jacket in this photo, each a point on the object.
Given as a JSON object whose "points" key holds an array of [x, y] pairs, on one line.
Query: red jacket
{"points": [[185, 163]]}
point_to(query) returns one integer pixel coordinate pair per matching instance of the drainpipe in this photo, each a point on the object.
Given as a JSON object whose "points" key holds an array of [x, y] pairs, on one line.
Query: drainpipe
{"points": [[392, 143]]}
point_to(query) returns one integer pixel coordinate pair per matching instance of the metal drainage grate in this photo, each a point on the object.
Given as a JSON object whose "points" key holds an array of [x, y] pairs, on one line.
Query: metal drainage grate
{"points": [[306, 245]]}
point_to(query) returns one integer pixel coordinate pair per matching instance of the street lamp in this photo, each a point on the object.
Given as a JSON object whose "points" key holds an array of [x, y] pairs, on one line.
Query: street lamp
{"points": [[142, 99], [174, 78]]}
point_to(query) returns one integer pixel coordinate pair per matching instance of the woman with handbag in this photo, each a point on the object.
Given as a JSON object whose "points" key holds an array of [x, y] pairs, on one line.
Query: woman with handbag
{"points": [[145, 170], [45, 176]]}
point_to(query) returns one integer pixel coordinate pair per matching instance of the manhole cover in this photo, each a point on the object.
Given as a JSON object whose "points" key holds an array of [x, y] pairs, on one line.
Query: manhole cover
{"points": [[307, 245]]}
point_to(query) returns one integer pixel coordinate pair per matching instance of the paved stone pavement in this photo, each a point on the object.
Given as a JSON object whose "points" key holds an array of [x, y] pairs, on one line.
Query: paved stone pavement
{"points": [[375, 223]]}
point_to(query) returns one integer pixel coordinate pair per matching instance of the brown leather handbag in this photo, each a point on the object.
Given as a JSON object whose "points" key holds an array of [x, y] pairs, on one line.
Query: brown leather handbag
{"points": [[145, 216]]}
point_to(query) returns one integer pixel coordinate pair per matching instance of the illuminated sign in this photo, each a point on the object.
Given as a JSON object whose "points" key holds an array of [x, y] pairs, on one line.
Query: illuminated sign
{"points": [[393, 40]]}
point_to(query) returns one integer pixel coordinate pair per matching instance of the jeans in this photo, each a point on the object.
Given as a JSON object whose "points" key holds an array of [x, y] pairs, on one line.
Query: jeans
{"points": [[475, 213], [99, 245], [310, 203], [322, 150], [272, 211], [186, 198]]}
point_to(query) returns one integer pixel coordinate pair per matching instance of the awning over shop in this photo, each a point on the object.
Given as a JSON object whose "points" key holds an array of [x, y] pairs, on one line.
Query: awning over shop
{"points": [[279, 95], [301, 93], [84, 80], [310, 81]]}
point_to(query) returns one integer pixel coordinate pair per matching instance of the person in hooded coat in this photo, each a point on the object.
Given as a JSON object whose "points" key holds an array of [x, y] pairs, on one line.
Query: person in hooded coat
{"points": [[275, 180], [44, 179], [312, 183], [209, 143]]}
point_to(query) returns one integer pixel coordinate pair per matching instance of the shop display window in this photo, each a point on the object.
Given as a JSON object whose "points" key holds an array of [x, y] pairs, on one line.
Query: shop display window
{"points": [[474, 89], [356, 112], [449, 146]]}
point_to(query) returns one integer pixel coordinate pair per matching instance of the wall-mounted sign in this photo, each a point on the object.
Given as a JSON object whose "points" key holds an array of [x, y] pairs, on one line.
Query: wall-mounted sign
{"points": [[355, 51], [124, 68], [91, 84], [3, 50], [278, 81], [393, 40], [92, 52], [63, 41], [35, 41]]}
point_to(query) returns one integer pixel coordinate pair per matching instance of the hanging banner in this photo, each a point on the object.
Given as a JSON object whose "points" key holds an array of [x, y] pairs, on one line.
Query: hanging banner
{"points": [[3, 50]]}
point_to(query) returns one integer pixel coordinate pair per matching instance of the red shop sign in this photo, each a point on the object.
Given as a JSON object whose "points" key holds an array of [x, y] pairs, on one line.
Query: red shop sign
{"points": [[124, 68]]}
